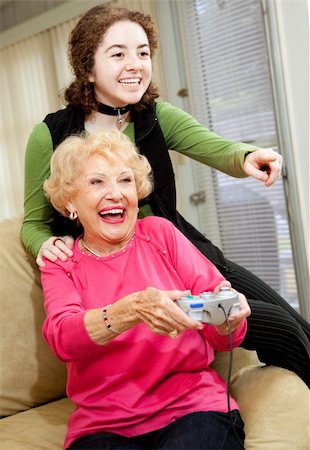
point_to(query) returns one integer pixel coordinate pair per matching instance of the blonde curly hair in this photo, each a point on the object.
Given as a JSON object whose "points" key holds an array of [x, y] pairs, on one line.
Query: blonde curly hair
{"points": [[71, 155]]}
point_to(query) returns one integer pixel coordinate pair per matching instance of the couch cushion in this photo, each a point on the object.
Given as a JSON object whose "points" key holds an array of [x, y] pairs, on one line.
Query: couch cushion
{"points": [[40, 428], [274, 404], [30, 374], [241, 358]]}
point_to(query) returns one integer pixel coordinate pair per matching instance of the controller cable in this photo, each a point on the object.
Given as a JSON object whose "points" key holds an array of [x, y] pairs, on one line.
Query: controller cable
{"points": [[228, 381]]}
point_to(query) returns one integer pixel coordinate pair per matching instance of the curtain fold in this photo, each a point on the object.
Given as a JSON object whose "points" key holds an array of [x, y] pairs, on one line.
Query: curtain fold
{"points": [[29, 93], [59, 37]]}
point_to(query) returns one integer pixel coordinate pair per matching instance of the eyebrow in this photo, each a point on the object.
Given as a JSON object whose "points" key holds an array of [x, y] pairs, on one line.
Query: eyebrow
{"points": [[98, 174], [121, 46]]}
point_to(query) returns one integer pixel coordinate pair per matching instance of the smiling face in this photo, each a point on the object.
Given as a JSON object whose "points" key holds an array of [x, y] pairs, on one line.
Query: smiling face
{"points": [[106, 202], [123, 68]]}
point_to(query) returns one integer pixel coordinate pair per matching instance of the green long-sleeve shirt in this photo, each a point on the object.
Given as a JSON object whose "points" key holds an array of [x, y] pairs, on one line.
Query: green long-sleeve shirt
{"points": [[181, 132]]}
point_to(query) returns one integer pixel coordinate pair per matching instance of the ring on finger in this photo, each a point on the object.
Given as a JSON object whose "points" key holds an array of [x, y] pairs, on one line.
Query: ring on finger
{"points": [[173, 334], [57, 239], [229, 329]]}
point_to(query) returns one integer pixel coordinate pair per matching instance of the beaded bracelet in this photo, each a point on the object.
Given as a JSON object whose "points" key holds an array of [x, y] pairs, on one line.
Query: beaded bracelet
{"points": [[106, 320]]}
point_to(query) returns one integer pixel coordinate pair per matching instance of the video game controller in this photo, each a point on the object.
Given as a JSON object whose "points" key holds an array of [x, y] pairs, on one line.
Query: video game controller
{"points": [[207, 307]]}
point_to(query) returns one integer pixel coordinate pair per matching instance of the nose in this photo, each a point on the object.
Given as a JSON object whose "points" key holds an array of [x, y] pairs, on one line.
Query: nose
{"points": [[133, 63], [113, 192]]}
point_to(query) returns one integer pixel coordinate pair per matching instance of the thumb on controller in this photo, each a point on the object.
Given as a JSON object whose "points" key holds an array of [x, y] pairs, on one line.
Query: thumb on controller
{"points": [[223, 283]]}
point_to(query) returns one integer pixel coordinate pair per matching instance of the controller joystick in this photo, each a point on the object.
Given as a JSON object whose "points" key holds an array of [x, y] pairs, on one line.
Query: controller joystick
{"points": [[207, 307]]}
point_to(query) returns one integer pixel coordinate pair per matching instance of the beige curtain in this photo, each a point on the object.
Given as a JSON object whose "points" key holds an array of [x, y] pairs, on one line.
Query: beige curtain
{"points": [[59, 38], [33, 73], [29, 92]]}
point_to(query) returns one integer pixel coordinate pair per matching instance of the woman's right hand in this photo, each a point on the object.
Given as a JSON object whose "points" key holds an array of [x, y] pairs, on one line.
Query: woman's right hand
{"points": [[156, 308], [55, 247], [159, 311]]}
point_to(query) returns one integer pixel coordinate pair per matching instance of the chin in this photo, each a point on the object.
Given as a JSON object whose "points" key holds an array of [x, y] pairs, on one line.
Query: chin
{"points": [[134, 98]]}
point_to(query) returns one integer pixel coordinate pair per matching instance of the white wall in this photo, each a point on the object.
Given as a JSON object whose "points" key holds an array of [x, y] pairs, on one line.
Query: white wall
{"points": [[293, 29]]}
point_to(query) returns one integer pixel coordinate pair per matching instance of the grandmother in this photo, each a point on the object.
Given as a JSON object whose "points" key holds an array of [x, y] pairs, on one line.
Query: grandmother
{"points": [[138, 366]]}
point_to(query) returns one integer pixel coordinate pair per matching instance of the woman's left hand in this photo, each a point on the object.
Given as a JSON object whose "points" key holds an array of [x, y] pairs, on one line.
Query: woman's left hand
{"points": [[264, 164], [55, 247], [236, 318]]}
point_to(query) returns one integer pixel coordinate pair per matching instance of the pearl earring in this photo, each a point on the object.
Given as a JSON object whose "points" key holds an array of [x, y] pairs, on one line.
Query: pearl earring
{"points": [[73, 215]]}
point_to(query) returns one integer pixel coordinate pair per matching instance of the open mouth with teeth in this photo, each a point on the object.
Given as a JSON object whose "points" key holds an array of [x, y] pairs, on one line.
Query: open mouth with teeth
{"points": [[113, 215], [130, 81]]}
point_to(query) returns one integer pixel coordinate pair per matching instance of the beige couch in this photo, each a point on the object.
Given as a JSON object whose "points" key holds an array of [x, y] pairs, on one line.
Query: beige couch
{"points": [[34, 409]]}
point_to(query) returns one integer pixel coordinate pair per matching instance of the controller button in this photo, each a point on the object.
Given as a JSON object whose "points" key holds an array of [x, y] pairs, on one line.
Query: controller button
{"points": [[196, 305]]}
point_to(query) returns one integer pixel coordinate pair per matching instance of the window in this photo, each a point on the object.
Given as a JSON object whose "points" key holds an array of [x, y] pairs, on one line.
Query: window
{"points": [[230, 92]]}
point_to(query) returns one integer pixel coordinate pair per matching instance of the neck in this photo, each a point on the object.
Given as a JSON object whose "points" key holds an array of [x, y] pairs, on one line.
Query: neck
{"points": [[112, 111], [89, 249], [106, 250]]}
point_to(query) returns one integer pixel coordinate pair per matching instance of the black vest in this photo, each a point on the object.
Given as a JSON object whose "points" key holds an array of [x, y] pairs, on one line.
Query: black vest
{"points": [[151, 143]]}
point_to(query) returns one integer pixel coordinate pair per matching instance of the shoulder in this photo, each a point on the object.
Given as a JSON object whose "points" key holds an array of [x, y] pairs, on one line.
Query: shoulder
{"points": [[173, 121], [41, 133], [64, 123], [156, 228], [63, 266], [61, 114], [150, 222], [40, 130], [40, 136], [166, 108], [161, 235], [71, 115]]}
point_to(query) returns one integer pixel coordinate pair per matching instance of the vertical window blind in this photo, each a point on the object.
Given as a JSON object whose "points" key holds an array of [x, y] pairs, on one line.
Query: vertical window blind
{"points": [[230, 92]]}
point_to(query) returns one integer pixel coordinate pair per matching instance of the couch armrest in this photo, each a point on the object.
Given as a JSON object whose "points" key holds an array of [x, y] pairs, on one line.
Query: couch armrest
{"points": [[241, 358], [30, 374], [274, 404]]}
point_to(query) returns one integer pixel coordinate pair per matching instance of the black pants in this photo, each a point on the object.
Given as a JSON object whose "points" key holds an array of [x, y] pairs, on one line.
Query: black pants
{"points": [[280, 336], [196, 431], [276, 331]]}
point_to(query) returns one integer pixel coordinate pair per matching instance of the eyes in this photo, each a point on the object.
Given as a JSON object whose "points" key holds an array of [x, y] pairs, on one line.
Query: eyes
{"points": [[101, 182], [95, 181], [144, 54]]}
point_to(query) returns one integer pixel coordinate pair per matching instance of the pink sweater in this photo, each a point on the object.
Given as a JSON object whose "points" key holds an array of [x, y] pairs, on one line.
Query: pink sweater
{"points": [[140, 381]]}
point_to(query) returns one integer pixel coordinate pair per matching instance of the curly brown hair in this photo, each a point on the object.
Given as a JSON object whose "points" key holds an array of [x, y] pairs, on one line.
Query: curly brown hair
{"points": [[83, 42]]}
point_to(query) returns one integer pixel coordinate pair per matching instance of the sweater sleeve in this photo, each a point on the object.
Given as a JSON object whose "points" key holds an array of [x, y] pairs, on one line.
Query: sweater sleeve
{"points": [[222, 343], [185, 134], [201, 275], [197, 273], [38, 212], [64, 328]]}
